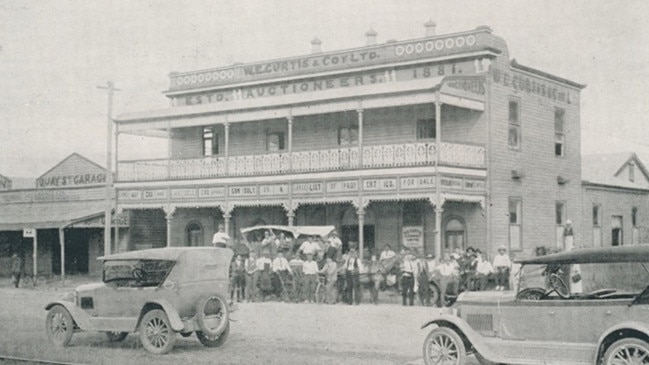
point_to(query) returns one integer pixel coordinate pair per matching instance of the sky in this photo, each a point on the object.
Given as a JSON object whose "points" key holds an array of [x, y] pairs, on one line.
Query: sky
{"points": [[54, 54]]}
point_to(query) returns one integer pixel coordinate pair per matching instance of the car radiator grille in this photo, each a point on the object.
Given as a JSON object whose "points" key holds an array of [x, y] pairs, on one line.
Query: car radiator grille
{"points": [[480, 322]]}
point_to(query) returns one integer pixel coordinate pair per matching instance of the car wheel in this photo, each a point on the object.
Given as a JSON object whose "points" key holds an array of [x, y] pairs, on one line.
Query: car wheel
{"points": [[443, 346], [213, 341], [116, 336], [434, 295], [59, 326], [209, 309], [627, 351], [156, 333]]}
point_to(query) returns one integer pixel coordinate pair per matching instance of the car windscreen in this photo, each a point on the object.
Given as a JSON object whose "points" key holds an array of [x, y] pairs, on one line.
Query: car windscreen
{"points": [[138, 272], [624, 278]]}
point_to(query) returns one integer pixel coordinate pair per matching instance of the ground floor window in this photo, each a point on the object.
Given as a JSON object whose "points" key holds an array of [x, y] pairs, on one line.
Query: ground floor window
{"points": [[616, 230], [455, 235], [515, 219], [194, 234], [349, 235]]}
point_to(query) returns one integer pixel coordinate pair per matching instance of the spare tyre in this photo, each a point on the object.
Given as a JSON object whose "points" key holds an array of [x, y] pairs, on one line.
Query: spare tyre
{"points": [[212, 314]]}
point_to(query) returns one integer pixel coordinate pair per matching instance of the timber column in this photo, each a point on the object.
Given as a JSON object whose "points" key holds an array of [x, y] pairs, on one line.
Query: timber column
{"points": [[361, 226], [169, 215]]}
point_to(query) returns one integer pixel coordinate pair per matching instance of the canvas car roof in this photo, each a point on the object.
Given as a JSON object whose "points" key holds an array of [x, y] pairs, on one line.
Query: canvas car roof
{"points": [[638, 253], [165, 253], [321, 231]]}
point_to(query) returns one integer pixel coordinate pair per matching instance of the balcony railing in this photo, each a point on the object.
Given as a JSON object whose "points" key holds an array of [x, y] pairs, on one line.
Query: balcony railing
{"points": [[351, 158]]}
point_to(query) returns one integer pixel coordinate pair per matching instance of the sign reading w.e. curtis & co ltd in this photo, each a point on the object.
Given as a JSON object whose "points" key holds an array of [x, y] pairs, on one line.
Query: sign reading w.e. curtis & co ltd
{"points": [[366, 56]]}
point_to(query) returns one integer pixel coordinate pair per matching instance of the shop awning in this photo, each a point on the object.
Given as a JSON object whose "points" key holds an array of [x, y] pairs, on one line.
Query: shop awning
{"points": [[15, 217]]}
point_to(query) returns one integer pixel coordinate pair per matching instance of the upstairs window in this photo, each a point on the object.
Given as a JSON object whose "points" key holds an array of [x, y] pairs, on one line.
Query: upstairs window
{"points": [[275, 141], [634, 217], [559, 136], [426, 129], [631, 172], [514, 134], [560, 213], [210, 141], [348, 136]]}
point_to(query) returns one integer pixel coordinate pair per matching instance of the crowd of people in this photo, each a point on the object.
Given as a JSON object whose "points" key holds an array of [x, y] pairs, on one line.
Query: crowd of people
{"points": [[266, 267]]}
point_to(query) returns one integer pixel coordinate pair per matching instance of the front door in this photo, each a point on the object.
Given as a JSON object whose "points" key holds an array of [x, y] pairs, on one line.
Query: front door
{"points": [[454, 237]]}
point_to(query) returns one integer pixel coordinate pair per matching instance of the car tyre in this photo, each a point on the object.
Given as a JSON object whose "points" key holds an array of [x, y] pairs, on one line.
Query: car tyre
{"points": [[531, 294], [434, 293], [156, 333], [626, 351], [59, 326], [444, 346], [213, 305], [116, 336], [213, 341]]}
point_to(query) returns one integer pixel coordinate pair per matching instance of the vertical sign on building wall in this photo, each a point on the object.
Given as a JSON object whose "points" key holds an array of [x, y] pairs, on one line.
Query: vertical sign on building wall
{"points": [[413, 238]]}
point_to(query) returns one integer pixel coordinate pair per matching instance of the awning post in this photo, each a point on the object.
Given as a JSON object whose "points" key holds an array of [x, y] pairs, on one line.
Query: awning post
{"points": [[35, 258], [62, 245]]}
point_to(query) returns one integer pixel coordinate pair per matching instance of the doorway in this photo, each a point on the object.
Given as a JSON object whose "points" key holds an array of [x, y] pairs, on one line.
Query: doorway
{"points": [[455, 236]]}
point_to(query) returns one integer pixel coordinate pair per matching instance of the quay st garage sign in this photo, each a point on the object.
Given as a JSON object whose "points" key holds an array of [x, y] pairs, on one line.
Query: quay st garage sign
{"points": [[71, 180]]}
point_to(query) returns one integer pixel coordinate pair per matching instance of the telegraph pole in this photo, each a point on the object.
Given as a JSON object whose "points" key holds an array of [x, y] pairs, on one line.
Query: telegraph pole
{"points": [[110, 89]]}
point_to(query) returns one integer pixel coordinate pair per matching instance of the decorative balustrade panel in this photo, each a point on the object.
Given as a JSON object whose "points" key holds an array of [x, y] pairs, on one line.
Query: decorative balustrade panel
{"points": [[393, 155]]}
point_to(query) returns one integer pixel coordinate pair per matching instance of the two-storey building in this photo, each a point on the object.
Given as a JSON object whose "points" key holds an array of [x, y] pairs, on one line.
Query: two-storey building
{"points": [[435, 143]]}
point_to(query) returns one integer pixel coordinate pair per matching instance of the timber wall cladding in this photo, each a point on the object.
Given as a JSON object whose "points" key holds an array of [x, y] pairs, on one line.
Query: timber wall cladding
{"points": [[536, 160]]}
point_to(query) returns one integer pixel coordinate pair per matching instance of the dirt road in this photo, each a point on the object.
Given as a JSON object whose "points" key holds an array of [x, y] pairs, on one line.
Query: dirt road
{"points": [[269, 333]]}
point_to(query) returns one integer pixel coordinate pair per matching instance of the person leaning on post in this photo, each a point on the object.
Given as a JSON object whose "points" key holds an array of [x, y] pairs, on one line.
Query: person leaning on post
{"points": [[16, 269]]}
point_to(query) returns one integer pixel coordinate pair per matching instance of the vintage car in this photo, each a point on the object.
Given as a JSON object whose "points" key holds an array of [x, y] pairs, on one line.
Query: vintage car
{"points": [[157, 292], [586, 306]]}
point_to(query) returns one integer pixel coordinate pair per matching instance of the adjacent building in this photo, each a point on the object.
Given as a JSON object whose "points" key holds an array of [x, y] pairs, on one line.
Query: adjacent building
{"points": [[616, 199], [64, 205], [436, 143]]}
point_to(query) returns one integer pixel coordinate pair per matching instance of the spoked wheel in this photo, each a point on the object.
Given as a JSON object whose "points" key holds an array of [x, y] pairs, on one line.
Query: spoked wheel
{"points": [[627, 351], [531, 294], [560, 286], [443, 346], [434, 295], [213, 341], [116, 336], [156, 333], [59, 326]]}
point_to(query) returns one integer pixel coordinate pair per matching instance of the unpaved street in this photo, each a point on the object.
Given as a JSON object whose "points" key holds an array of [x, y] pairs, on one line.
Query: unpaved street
{"points": [[269, 333]]}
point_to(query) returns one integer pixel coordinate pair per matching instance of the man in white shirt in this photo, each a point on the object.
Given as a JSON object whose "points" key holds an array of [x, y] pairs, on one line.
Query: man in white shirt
{"points": [[309, 278], [387, 253], [502, 266], [483, 271], [309, 247], [448, 277], [281, 271], [220, 238], [408, 271]]}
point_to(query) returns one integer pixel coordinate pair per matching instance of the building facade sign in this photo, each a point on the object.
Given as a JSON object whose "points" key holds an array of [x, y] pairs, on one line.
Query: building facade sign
{"points": [[308, 188], [413, 237], [45, 196], [383, 54], [217, 192], [342, 186], [183, 193], [419, 182], [531, 86], [154, 194], [70, 180], [250, 190], [275, 189], [129, 195], [337, 82], [380, 184]]}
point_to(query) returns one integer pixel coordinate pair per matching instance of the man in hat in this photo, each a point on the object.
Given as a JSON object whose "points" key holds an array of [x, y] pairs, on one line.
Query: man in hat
{"points": [[334, 244], [309, 278], [353, 266], [568, 236], [502, 265]]}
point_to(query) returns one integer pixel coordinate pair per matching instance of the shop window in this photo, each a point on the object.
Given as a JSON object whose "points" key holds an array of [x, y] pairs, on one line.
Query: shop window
{"points": [[514, 125], [559, 136], [515, 220], [426, 129], [454, 235], [275, 141], [348, 136], [210, 141]]}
